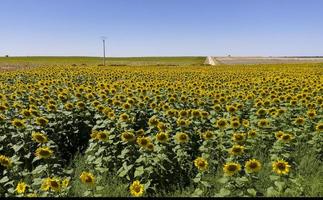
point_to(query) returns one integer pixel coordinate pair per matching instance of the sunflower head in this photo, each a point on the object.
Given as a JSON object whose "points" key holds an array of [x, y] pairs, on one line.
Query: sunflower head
{"points": [[300, 121], [263, 123], [21, 187], [286, 137], [41, 121], [43, 152], [143, 141], [237, 150], [221, 123], [103, 135], [128, 137], [162, 137], [231, 168], [252, 166], [18, 123], [5, 161], [319, 127], [201, 164], [87, 178], [238, 137], [280, 167], [279, 134], [136, 189], [208, 135], [39, 137], [181, 137]]}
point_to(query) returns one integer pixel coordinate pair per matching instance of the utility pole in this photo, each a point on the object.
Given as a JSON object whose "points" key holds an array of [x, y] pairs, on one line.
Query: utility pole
{"points": [[103, 40]]}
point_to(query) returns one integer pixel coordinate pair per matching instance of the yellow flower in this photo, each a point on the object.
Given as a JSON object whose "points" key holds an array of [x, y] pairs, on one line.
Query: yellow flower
{"points": [[279, 134], [263, 123], [65, 182], [46, 184], [221, 123], [238, 137], [5, 161], [201, 163], [55, 184], [280, 167], [181, 137], [128, 137], [143, 141], [162, 137], [124, 117], [286, 137], [136, 189], [39, 137], [21, 187], [208, 135], [103, 135], [41, 121], [319, 127], [18, 123], [235, 124], [87, 178], [299, 120], [43, 152], [231, 168], [236, 150], [252, 166]]}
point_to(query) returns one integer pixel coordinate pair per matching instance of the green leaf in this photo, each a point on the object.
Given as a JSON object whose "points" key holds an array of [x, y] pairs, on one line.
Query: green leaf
{"points": [[223, 180], [274, 177], [139, 171], [271, 192], [197, 193], [4, 179], [280, 185], [252, 192], [224, 192]]}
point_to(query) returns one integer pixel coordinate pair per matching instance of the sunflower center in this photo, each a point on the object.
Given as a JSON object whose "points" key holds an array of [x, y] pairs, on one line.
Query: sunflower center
{"points": [[232, 168], [281, 166]]}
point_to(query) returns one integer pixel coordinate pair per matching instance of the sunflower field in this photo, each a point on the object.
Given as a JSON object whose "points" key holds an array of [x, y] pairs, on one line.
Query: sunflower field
{"points": [[253, 130]]}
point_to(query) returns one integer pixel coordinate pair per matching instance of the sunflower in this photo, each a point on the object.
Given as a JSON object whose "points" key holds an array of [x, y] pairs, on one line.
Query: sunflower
{"points": [[43, 152], [68, 106], [65, 182], [235, 124], [128, 137], [162, 137], [319, 127], [286, 137], [39, 137], [300, 121], [208, 135], [252, 166], [261, 112], [263, 123], [136, 189], [126, 106], [18, 123], [45, 186], [252, 133], [281, 167], [26, 113], [87, 178], [153, 121], [231, 108], [311, 114], [5, 161], [201, 164], [150, 147], [236, 150], [221, 123], [143, 141], [238, 137], [161, 126], [245, 123], [103, 136], [124, 117], [80, 105], [231, 168], [140, 133], [54, 184], [181, 137], [21, 187], [279, 134], [41, 121]]}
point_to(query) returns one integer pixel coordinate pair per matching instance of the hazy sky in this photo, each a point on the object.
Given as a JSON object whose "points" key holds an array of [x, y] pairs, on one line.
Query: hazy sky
{"points": [[161, 27]]}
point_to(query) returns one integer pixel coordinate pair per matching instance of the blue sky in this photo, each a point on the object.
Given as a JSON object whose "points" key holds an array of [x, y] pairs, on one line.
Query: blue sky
{"points": [[161, 27]]}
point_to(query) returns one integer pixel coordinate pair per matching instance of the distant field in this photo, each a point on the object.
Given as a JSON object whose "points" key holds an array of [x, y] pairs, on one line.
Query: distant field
{"points": [[267, 60], [97, 60]]}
